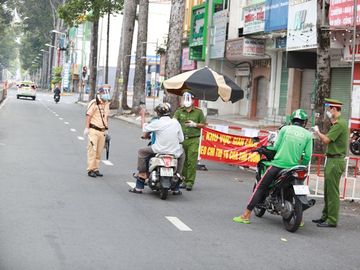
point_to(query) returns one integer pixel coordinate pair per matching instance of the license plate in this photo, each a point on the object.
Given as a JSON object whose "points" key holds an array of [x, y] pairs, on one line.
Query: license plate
{"points": [[301, 190], [166, 172]]}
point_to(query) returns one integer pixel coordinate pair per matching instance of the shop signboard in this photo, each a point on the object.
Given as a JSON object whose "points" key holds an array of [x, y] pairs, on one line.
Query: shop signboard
{"points": [[341, 13], [276, 15], [253, 47], [254, 18], [302, 30], [198, 32], [187, 63], [348, 50], [240, 48], [280, 43], [217, 48]]}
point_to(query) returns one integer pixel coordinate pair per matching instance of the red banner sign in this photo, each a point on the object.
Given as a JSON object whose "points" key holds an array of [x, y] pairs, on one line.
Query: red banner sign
{"points": [[226, 148], [341, 13]]}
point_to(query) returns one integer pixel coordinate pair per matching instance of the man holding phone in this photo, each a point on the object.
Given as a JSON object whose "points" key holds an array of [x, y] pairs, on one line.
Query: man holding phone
{"points": [[191, 119]]}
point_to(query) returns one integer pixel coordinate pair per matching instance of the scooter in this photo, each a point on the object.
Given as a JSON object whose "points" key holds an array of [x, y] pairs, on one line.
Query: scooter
{"points": [[287, 195], [162, 174], [56, 98], [355, 142]]}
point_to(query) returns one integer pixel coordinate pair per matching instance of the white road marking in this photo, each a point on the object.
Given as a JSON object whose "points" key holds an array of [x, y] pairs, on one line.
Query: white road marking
{"points": [[107, 162], [39, 99], [80, 138], [131, 184], [73, 130], [179, 224], [61, 118], [66, 123], [49, 100], [56, 115]]}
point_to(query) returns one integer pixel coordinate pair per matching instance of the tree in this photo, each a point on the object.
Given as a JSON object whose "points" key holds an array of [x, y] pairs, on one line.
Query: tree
{"points": [[140, 75], [323, 73], [173, 52], [94, 10]]}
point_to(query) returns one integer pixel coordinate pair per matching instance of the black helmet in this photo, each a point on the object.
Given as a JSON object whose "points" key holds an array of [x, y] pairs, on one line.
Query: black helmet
{"points": [[162, 110]]}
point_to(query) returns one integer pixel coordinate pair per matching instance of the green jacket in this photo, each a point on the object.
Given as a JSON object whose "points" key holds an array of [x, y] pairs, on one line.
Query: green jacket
{"points": [[339, 138], [196, 115], [292, 142]]}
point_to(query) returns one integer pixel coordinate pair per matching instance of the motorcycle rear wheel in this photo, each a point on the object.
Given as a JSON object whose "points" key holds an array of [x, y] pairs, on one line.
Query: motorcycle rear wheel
{"points": [[293, 222], [355, 148], [163, 193]]}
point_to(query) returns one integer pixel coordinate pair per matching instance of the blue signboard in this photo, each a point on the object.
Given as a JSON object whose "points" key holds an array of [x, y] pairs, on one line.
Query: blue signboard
{"points": [[276, 15]]}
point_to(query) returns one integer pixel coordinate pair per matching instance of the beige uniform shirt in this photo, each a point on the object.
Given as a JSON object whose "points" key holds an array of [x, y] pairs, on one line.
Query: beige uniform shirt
{"points": [[97, 111]]}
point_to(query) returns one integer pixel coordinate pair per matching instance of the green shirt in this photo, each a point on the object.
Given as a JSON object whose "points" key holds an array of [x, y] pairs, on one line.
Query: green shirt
{"points": [[292, 142], [339, 136], [196, 115]]}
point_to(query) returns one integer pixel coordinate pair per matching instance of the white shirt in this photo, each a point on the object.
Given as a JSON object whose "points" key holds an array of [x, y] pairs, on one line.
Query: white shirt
{"points": [[168, 134]]}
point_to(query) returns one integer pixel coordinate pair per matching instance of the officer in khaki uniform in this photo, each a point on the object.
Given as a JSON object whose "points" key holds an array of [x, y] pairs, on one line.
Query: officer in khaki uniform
{"points": [[191, 120], [97, 115], [337, 140]]}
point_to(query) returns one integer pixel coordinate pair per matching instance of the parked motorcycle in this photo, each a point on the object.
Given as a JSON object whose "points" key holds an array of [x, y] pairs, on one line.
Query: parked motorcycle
{"points": [[355, 142], [57, 98], [162, 174], [287, 195]]}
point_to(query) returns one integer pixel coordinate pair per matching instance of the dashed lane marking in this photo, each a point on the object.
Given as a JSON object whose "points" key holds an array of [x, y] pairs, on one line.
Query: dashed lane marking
{"points": [[131, 184], [73, 130], [66, 123], [179, 224], [60, 118], [107, 162], [80, 138]]}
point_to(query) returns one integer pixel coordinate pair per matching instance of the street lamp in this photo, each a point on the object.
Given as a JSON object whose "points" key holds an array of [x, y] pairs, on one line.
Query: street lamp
{"points": [[49, 45]]}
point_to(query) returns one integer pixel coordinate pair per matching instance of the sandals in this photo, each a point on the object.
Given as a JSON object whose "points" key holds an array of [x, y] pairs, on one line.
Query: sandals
{"points": [[134, 190], [176, 192], [242, 220]]}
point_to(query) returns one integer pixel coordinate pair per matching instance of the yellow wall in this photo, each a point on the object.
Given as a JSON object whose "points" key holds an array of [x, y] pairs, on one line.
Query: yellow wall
{"points": [[187, 20]]}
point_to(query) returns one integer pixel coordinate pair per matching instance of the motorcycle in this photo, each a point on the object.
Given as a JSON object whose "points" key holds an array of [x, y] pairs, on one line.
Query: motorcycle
{"points": [[57, 98], [162, 174], [287, 195], [355, 142]]}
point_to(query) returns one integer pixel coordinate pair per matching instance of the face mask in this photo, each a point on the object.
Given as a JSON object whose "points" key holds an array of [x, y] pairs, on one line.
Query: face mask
{"points": [[105, 97], [187, 100], [328, 114]]}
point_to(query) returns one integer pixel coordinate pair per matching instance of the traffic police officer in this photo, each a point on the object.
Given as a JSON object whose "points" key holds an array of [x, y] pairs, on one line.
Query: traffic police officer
{"points": [[337, 141], [96, 126], [191, 120]]}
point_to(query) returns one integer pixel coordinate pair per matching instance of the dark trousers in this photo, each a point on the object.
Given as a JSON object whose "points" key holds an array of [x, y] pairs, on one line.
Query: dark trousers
{"points": [[262, 186]]}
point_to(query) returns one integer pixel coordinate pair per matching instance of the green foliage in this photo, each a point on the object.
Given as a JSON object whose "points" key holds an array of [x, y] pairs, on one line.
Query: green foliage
{"points": [[75, 12], [57, 75]]}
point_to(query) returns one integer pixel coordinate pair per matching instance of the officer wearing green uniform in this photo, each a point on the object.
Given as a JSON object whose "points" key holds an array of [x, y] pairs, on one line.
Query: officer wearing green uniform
{"points": [[191, 120], [337, 141]]}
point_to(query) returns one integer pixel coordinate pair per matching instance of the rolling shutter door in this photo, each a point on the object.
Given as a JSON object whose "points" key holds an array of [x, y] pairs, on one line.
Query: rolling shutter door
{"points": [[307, 87], [341, 89]]}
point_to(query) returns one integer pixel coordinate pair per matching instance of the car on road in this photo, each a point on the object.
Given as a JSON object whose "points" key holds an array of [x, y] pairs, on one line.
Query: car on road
{"points": [[26, 89]]}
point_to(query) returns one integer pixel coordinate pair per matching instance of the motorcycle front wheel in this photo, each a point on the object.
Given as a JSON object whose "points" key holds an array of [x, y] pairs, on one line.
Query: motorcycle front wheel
{"points": [[292, 223], [355, 148]]}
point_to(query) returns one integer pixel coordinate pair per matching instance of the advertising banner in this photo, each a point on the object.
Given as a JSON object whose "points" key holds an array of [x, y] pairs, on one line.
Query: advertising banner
{"points": [[217, 48], [348, 50], [341, 13], [254, 18], [254, 47], [302, 25], [187, 64], [276, 15], [355, 99], [237, 49], [231, 149]]}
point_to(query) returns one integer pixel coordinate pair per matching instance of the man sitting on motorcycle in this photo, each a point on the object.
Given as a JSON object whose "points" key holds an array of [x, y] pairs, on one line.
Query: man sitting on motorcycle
{"points": [[168, 138], [293, 146]]}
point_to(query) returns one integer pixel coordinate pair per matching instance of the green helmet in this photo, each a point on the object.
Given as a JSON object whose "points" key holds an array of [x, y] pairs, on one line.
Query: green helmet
{"points": [[299, 114]]}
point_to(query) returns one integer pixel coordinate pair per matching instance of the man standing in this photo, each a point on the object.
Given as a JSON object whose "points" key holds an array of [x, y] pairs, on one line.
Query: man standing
{"points": [[97, 115], [191, 120], [337, 141]]}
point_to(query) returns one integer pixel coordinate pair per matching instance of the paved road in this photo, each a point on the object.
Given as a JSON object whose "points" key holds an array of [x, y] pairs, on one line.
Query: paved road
{"points": [[52, 216]]}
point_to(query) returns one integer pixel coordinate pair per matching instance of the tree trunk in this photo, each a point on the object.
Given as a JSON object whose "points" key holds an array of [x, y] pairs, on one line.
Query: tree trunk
{"points": [[119, 69], [93, 60], [140, 75], [173, 52], [107, 48], [323, 77], [129, 23]]}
